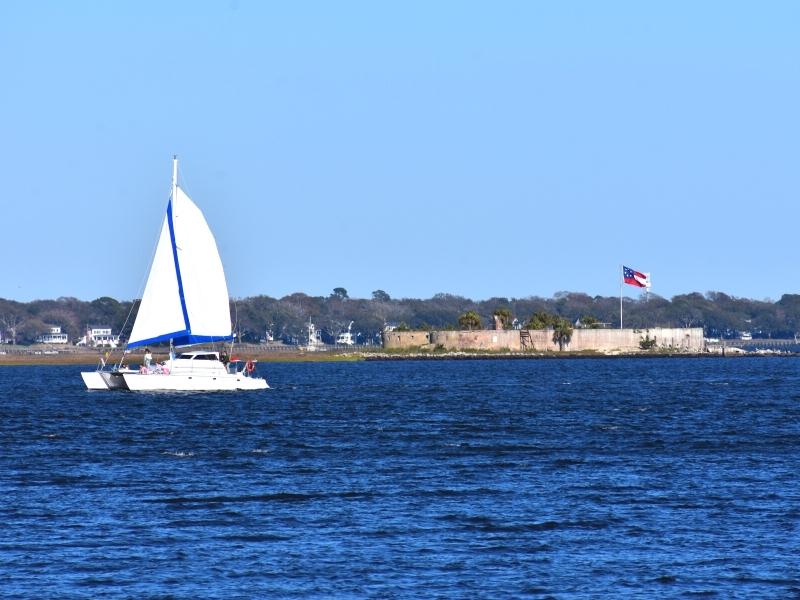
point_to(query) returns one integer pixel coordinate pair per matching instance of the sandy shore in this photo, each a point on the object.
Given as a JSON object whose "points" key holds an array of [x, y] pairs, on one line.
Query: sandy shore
{"points": [[35, 356], [92, 357]]}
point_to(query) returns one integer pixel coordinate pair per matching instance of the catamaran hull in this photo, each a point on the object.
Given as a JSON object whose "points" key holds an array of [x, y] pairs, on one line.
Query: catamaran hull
{"points": [[141, 382], [94, 380], [115, 381], [104, 380]]}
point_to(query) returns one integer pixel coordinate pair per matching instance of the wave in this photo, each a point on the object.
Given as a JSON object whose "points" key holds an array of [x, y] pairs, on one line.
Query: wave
{"points": [[288, 497], [178, 453]]}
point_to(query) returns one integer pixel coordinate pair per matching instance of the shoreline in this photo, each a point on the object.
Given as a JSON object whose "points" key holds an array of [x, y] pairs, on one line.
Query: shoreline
{"points": [[570, 356], [91, 359]]}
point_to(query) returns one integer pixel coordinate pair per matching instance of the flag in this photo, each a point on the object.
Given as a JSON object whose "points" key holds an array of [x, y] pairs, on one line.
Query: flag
{"points": [[632, 277]]}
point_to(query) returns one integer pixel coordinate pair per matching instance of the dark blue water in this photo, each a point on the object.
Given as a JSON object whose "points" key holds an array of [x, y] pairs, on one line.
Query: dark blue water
{"points": [[469, 479]]}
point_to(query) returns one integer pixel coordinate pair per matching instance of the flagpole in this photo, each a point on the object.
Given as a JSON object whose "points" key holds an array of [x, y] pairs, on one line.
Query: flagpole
{"points": [[621, 279]]}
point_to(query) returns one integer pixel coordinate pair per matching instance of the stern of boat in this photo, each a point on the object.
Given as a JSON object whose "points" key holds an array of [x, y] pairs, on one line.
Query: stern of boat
{"points": [[252, 383], [94, 380]]}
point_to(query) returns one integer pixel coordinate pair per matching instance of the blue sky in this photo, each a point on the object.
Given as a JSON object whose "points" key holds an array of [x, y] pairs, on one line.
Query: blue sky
{"points": [[476, 148]]}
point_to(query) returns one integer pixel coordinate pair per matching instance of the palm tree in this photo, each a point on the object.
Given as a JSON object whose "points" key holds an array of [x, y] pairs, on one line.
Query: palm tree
{"points": [[562, 333], [541, 320], [505, 316], [469, 320]]}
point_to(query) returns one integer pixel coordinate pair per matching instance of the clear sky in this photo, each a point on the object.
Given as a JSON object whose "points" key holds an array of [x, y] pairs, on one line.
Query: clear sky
{"points": [[476, 148]]}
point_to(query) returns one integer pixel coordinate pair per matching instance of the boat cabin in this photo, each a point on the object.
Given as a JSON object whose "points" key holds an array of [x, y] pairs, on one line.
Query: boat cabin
{"points": [[198, 356], [198, 362]]}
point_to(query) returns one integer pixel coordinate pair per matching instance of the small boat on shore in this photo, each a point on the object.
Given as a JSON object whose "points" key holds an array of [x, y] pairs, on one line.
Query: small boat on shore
{"points": [[314, 336], [346, 338]]}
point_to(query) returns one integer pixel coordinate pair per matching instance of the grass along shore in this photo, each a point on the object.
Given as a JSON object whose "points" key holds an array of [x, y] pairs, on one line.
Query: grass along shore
{"points": [[38, 355], [34, 355]]}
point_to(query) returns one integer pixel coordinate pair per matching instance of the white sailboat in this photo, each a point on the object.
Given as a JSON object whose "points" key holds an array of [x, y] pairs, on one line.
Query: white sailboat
{"points": [[185, 302]]}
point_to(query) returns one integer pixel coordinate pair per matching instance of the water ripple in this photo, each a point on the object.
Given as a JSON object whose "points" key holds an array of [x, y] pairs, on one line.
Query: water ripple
{"points": [[496, 479]]}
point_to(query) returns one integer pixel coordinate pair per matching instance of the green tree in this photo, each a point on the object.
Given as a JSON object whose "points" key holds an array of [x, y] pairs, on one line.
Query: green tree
{"points": [[542, 320], [647, 343], [104, 311], [340, 293], [381, 296], [590, 322], [29, 329], [506, 317], [470, 320], [562, 333]]}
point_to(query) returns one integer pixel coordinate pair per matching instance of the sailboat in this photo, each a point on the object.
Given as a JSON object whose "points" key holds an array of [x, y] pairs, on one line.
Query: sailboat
{"points": [[185, 303]]}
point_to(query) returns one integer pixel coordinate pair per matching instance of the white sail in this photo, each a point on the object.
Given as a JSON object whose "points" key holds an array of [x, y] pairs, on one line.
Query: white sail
{"points": [[186, 297], [160, 310], [204, 287]]}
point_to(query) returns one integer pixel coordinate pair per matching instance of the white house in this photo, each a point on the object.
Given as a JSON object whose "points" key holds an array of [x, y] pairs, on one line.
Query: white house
{"points": [[99, 336], [55, 336]]}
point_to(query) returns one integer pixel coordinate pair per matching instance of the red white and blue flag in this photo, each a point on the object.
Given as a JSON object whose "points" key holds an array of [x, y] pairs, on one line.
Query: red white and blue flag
{"points": [[636, 278]]}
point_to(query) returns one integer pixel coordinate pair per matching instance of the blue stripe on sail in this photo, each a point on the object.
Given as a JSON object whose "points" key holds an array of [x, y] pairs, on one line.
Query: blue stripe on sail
{"points": [[159, 338], [189, 339], [177, 266], [181, 338]]}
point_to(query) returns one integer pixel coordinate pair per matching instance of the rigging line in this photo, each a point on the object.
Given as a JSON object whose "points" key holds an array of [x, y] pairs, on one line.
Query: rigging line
{"points": [[153, 249], [185, 186], [171, 224], [125, 324], [137, 300], [236, 322]]}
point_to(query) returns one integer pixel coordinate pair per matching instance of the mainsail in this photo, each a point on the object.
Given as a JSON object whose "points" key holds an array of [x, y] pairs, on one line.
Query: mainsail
{"points": [[186, 298]]}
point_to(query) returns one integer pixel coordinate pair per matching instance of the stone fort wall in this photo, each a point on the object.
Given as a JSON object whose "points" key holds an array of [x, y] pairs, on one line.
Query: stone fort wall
{"points": [[540, 340]]}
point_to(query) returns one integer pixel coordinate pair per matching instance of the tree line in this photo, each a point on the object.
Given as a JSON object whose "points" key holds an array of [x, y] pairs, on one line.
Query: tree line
{"points": [[285, 318]]}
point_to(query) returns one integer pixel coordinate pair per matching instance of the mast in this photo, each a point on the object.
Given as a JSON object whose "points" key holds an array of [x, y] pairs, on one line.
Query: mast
{"points": [[174, 176], [174, 199], [621, 281]]}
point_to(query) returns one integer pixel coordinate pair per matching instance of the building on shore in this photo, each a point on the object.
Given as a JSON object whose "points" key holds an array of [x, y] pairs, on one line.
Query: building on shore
{"points": [[54, 336], [99, 337], [688, 340]]}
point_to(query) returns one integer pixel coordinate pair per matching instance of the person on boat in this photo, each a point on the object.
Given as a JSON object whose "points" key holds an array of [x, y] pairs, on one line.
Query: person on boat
{"points": [[148, 358], [224, 358]]}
